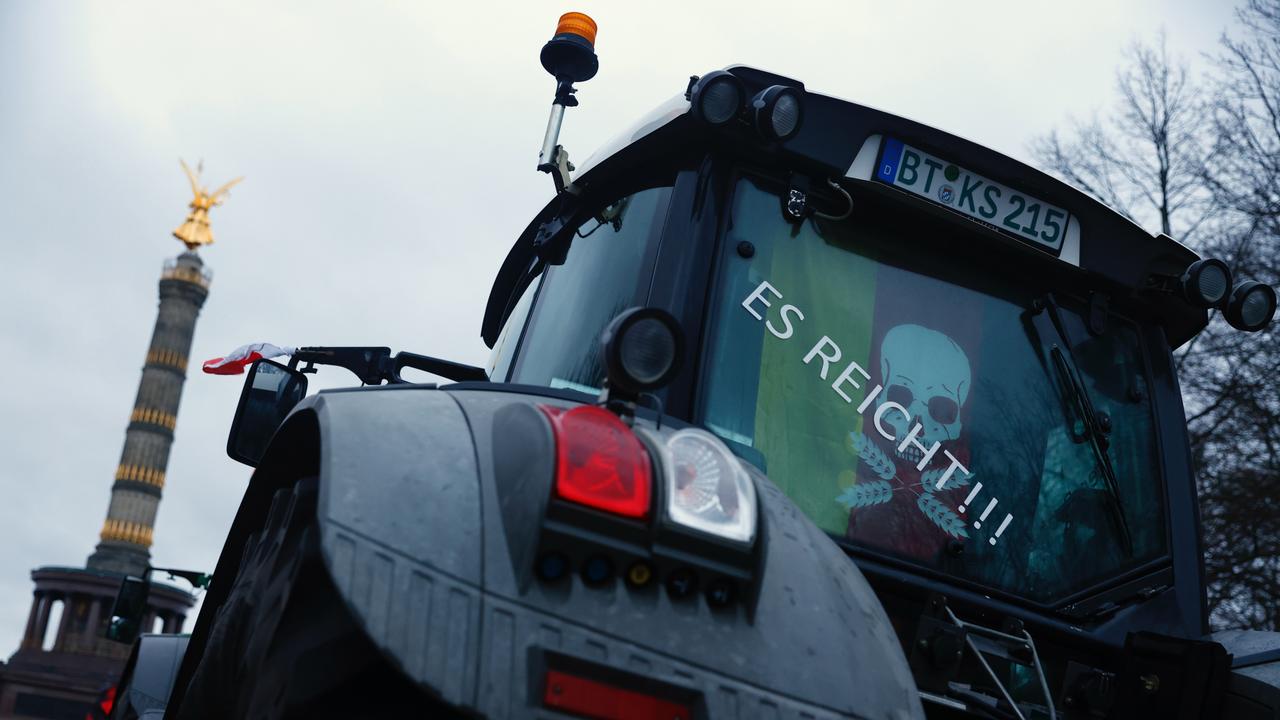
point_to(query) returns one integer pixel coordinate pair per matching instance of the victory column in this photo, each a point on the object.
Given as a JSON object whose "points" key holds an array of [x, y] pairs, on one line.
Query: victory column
{"points": [[53, 678], [135, 496]]}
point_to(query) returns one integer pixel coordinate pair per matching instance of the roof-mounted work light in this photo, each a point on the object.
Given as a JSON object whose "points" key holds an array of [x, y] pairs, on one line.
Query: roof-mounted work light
{"points": [[1206, 283], [1251, 306], [777, 112], [570, 57], [717, 98]]}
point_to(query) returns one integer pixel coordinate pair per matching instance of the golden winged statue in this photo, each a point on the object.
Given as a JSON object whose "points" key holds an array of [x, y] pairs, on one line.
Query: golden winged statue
{"points": [[195, 231]]}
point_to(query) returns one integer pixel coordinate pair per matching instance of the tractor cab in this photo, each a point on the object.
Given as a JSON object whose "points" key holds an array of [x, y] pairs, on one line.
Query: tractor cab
{"points": [[794, 408], [956, 366]]}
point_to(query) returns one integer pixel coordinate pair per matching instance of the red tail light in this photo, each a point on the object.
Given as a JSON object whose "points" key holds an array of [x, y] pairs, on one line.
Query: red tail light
{"points": [[106, 701], [599, 462]]}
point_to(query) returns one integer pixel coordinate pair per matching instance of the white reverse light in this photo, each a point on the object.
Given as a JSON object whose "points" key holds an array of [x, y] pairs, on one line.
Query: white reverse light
{"points": [[706, 488]]}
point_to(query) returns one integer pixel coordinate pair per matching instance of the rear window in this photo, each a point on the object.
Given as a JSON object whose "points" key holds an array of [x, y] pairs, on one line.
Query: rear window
{"points": [[603, 274], [908, 404]]}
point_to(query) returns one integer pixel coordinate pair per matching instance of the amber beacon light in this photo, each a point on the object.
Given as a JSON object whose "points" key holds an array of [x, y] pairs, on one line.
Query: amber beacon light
{"points": [[576, 23], [570, 56]]}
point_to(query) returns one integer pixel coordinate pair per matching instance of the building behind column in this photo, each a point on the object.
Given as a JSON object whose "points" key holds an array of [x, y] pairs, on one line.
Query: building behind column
{"points": [[61, 667]]}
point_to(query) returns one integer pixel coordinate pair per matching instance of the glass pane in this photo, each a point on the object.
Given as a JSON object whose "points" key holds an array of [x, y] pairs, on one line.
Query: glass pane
{"points": [[602, 276], [505, 347], [271, 393], [903, 400]]}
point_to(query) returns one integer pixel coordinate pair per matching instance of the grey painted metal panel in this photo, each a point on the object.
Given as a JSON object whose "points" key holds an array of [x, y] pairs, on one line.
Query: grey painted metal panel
{"points": [[412, 533], [400, 524], [819, 644], [398, 468]]}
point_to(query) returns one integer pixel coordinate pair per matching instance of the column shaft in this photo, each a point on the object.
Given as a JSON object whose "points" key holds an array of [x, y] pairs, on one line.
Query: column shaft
{"points": [[68, 613], [42, 621], [140, 477], [95, 617], [31, 621]]}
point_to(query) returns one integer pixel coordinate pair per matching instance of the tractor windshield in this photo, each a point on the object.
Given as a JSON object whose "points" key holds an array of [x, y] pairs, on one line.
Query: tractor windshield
{"points": [[899, 390]]}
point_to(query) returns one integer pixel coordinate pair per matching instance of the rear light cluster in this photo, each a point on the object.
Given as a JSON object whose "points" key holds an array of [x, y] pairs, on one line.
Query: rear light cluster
{"points": [[706, 487], [693, 529], [600, 463]]}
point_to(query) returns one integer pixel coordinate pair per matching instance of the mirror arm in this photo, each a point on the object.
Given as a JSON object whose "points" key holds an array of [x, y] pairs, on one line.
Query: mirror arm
{"points": [[370, 364], [374, 365], [448, 369], [197, 579]]}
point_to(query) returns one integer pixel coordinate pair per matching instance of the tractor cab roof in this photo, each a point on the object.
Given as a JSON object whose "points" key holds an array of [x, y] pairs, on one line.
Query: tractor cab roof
{"points": [[856, 145]]}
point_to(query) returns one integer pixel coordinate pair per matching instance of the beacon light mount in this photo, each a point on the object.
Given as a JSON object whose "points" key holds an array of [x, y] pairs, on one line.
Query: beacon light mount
{"points": [[570, 57]]}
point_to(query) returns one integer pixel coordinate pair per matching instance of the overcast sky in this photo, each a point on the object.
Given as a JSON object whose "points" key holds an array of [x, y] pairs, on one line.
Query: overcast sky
{"points": [[389, 152]]}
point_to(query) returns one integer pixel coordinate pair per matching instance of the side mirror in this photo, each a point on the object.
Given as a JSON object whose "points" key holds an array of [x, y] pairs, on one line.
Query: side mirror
{"points": [[129, 610], [270, 392]]}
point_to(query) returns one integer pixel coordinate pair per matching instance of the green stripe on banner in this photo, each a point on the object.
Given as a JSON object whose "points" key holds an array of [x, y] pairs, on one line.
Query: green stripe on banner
{"points": [[802, 424]]}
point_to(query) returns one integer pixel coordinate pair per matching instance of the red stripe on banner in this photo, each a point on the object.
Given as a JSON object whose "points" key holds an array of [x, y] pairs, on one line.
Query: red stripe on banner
{"points": [[904, 298]]}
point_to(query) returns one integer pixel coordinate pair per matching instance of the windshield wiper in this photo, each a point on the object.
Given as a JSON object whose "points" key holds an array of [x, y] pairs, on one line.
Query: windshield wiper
{"points": [[1047, 319]]}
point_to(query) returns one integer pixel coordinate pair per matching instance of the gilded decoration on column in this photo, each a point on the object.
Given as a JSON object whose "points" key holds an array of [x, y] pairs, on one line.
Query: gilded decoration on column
{"points": [[195, 231]]}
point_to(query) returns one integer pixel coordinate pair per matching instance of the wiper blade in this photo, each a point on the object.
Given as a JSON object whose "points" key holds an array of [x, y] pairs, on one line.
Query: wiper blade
{"points": [[1048, 323], [1094, 610]]}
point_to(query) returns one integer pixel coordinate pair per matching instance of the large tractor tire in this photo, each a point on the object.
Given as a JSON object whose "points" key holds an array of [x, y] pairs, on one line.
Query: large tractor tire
{"points": [[284, 644]]}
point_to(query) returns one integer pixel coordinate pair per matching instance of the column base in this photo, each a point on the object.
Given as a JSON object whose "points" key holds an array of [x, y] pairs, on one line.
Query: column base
{"points": [[115, 558]]}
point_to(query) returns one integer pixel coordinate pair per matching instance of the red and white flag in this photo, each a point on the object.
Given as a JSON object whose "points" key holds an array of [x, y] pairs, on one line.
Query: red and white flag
{"points": [[242, 357]]}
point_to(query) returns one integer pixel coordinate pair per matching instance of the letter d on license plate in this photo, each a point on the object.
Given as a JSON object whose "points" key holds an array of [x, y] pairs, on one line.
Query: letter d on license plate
{"points": [[968, 193]]}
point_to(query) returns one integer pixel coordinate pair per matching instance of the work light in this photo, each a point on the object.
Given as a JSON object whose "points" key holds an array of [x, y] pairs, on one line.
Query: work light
{"points": [[777, 112], [642, 350], [717, 98], [1206, 283], [1251, 306]]}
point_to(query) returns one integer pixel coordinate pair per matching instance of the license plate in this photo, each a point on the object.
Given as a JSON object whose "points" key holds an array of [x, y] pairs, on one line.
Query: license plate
{"points": [[968, 193]]}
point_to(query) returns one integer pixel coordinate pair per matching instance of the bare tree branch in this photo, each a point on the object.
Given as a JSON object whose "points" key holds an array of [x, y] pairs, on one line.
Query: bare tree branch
{"points": [[1200, 160]]}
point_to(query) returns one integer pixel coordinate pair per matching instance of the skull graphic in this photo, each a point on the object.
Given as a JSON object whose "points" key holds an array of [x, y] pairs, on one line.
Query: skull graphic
{"points": [[927, 373]]}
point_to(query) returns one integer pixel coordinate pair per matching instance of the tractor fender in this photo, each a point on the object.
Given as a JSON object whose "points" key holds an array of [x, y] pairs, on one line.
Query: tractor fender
{"points": [[413, 534], [818, 643], [400, 527]]}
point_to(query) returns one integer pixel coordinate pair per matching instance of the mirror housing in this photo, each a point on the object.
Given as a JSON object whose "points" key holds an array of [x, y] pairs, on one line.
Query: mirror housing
{"points": [[129, 610], [271, 391]]}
